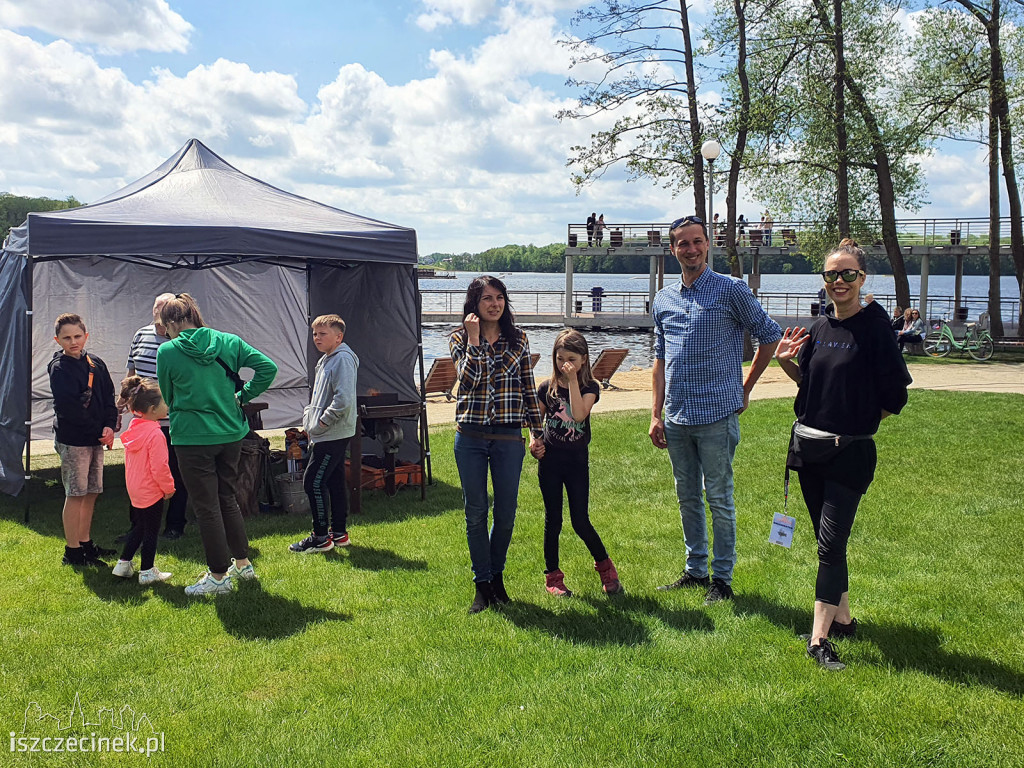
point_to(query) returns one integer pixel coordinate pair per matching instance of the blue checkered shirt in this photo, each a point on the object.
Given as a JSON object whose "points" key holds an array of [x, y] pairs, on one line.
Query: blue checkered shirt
{"points": [[698, 332]]}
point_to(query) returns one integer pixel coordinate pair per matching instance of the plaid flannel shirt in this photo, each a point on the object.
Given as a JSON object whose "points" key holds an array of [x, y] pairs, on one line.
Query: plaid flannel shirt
{"points": [[495, 382]]}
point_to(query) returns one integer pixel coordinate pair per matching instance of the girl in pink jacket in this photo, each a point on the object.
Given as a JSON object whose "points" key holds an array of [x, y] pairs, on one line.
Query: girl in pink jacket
{"points": [[146, 474]]}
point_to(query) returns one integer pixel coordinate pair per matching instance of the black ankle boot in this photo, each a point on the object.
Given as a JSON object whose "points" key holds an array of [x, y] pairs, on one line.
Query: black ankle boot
{"points": [[499, 595], [483, 597]]}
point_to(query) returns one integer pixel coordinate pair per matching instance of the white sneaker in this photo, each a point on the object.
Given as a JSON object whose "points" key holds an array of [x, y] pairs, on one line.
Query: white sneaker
{"points": [[153, 575], [246, 574], [124, 569], [207, 585]]}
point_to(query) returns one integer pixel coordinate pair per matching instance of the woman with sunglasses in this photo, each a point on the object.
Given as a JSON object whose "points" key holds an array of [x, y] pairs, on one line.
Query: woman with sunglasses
{"points": [[912, 331], [850, 376]]}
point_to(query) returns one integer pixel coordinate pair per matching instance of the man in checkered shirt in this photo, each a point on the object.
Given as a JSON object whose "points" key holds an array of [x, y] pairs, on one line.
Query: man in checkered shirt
{"points": [[699, 383]]}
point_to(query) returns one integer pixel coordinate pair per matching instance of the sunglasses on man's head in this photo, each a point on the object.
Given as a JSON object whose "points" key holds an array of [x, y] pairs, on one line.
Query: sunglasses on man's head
{"points": [[686, 220], [848, 275]]}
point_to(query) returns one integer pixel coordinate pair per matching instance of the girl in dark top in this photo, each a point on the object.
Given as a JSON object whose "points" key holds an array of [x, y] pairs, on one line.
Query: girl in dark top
{"points": [[566, 400], [497, 397], [850, 376]]}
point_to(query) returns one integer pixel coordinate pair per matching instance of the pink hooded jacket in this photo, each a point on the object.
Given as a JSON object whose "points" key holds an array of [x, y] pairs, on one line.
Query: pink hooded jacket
{"points": [[146, 472]]}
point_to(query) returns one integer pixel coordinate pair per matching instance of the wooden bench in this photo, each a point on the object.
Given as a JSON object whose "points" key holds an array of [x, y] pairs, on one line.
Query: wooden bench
{"points": [[606, 365], [789, 237], [442, 376]]}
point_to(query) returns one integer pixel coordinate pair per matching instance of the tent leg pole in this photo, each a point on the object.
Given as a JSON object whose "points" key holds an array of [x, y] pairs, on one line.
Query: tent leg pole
{"points": [[424, 426], [28, 387]]}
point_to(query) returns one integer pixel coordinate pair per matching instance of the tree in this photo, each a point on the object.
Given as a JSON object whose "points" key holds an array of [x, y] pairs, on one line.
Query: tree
{"points": [[833, 147], [14, 209], [658, 131], [990, 16]]}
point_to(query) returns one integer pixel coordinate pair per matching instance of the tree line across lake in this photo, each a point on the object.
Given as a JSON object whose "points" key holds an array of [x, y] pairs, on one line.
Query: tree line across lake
{"points": [[551, 258]]}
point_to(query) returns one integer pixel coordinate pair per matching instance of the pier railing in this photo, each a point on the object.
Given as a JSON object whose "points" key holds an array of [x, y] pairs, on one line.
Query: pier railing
{"points": [[632, 303], [970, 232]]}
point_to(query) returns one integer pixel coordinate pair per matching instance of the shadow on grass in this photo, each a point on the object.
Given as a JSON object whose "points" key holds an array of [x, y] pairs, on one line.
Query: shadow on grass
{"points": [[614, 623], [371, 559], [903, 646], [113, 589], [252, 613]]}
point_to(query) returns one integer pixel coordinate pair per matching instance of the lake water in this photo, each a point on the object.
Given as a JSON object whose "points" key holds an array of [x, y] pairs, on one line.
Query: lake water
{"points": [[641, 342]]}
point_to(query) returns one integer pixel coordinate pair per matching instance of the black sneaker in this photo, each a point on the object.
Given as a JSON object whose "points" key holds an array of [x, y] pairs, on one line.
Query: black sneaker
{"points": [[719, 591], [826, 656], [498, 594], [91, 550], [79, 558], [311, 544], [73, 556], [172, 534], [838, 630], [686, 580]]}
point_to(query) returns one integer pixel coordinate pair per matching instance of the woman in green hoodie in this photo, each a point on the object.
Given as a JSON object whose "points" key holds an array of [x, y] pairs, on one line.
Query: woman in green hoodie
{"points": [[198, 375]]}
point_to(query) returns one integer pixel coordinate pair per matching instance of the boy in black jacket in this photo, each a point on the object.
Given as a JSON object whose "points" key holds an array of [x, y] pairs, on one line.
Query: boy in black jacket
{"points": [[85, 415]]}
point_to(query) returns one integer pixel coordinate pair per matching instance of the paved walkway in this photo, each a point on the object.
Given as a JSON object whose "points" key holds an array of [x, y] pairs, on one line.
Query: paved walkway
{"points": [[635, 386]]}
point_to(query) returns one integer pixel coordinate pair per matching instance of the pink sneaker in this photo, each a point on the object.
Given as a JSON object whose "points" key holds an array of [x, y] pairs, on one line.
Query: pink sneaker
{"points": [[609, 576], [554, 582]]}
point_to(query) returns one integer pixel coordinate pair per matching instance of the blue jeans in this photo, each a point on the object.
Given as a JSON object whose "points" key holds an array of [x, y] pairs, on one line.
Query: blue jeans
{"points": [[704, 453], [504, 458]]}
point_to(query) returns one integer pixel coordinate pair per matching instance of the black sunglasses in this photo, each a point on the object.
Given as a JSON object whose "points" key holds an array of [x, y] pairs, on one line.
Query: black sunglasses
{"points": [[686, 220], [848, 275]]}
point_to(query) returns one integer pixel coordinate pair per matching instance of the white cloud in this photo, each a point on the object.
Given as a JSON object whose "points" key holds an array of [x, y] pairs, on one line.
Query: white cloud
{"points": [[444, 12], [111, 26]]}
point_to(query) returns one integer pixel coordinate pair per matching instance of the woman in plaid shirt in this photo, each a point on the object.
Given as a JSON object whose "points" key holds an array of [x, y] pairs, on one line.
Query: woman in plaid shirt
{"points": [[497, 398]]}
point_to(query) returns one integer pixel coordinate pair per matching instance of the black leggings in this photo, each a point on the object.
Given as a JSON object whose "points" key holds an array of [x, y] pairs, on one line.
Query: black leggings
{"points": [[833, 507], [570, 469], [145, 530], [324, 482]]}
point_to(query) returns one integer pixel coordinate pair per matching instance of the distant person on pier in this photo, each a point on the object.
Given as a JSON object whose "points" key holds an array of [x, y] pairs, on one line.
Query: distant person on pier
{"points": [[766, 225], [599, 230], [741, 224], [591, 221], [912, 331], [497, 398], [698, 381]]}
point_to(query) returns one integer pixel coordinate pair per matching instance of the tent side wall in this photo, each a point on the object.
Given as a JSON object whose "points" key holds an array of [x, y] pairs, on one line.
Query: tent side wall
{"points": [[264, 304], [14, 335], [379, 305]]}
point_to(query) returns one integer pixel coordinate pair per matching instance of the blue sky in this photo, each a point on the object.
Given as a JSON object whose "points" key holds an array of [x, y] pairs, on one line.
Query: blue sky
{"points": [[435, 114]]}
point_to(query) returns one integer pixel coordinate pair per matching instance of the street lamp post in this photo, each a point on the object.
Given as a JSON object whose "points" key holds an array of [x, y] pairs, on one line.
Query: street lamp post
{"points": [[711, 149]]}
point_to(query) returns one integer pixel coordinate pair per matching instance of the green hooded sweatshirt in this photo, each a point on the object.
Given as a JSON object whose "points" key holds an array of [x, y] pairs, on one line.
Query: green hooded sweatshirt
{"points": [[204, 409]]}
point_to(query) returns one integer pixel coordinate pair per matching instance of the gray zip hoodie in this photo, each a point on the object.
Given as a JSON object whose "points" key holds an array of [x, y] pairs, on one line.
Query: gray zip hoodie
{"points": [[331, 413]]}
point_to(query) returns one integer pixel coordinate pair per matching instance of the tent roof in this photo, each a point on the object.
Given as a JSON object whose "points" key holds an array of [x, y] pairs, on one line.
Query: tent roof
{"points": [[197, 204]]}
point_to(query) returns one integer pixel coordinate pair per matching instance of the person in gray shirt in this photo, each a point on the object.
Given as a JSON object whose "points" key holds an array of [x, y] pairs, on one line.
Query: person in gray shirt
{"points": [[330, 422]]}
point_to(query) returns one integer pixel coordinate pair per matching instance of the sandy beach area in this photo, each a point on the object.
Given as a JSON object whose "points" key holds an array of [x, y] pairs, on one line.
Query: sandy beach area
{"points": [[633, 388]]}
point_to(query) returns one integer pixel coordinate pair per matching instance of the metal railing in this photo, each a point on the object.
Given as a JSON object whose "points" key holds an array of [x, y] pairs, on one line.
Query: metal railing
{"points": [[970, 232], [636, 303]]}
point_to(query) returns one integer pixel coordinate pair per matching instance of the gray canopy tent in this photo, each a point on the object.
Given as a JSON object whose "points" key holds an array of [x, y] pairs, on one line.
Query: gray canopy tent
{"points": [[261, 262]]}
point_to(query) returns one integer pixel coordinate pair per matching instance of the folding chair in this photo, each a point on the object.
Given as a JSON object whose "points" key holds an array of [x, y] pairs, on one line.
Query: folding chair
{"points": [[607, 364], [441, 378]]}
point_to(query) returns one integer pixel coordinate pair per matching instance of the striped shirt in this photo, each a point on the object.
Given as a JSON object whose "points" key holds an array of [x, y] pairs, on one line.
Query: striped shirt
{"points": [[698, 332], [142, 353], [495, 382]]}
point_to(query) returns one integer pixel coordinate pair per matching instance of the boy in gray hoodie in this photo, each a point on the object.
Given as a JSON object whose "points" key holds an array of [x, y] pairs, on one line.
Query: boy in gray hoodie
{"points": [[330, 422]]}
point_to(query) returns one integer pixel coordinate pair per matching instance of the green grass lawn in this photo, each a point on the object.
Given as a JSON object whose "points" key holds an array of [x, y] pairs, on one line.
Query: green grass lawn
{"points": [[367, 657]]}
